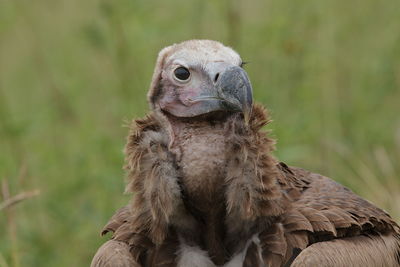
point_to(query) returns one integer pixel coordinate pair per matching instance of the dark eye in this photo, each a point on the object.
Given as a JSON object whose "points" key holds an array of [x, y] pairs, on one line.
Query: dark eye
{"points": [[182, 73]]}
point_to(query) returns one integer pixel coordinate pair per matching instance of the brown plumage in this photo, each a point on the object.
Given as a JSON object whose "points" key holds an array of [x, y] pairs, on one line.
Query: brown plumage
{"points": [[208, 192]]}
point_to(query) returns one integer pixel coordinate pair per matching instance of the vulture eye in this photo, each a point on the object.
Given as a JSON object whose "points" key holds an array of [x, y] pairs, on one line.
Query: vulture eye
{"points": [[182, 74]]}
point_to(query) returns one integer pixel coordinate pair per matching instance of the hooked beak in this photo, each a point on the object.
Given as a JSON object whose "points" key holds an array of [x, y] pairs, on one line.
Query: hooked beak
{"points": [[231, 92]]}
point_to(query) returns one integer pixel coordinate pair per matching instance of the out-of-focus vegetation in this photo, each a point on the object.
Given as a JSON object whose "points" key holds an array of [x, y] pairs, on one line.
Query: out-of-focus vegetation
{"points": [[71, 73]]}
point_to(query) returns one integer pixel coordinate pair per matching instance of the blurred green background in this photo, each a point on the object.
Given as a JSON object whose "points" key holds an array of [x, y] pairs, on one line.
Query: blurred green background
{"points": [[72, 73]]}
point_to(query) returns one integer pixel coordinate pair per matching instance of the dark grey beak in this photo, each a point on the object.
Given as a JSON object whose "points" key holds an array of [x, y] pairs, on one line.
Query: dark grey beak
{"points": [[232, 91], [235, 91]]}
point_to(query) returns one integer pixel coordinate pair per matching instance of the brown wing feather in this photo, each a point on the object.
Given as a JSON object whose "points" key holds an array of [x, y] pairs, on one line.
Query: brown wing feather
{"points": [[114, 254], [273, 245], [127, 240], [120, 217], [358, 251], [324, 210]]}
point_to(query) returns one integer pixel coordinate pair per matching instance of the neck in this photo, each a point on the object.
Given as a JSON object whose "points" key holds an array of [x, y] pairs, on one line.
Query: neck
{"points": [[208, 181], [202, 151]]}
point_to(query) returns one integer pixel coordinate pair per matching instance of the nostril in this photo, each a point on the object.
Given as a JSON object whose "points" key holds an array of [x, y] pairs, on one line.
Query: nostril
{"points": [[216, 77]]}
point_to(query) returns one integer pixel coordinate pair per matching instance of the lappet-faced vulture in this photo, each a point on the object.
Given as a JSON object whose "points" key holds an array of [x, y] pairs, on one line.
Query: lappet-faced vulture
{"points": [[207, 191]]}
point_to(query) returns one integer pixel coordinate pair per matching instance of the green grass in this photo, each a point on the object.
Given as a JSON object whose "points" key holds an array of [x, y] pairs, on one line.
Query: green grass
{"points": [[72, 72]]}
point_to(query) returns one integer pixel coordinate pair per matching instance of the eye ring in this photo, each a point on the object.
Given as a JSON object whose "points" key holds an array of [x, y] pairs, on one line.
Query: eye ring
{"points": [[182, 74]]}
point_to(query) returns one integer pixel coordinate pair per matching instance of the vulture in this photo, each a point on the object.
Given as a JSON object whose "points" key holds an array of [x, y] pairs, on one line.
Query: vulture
{"points": [[207, 191]]}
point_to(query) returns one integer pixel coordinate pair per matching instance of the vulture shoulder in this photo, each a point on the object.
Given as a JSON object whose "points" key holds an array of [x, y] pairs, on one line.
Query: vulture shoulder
{"points": [[129, 247], [323, 210], [114, 254], [357, 251]]}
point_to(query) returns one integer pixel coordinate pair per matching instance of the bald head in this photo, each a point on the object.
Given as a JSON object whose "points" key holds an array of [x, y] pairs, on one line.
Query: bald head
{"points": [[198, 77], [201, 52]]}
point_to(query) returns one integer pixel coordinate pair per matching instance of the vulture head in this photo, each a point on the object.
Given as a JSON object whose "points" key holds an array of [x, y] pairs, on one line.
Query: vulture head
{"points": [[199, 79]]}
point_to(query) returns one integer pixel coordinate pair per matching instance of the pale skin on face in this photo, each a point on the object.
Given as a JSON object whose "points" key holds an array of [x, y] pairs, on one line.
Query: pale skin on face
{"points": [[181, 96]]}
